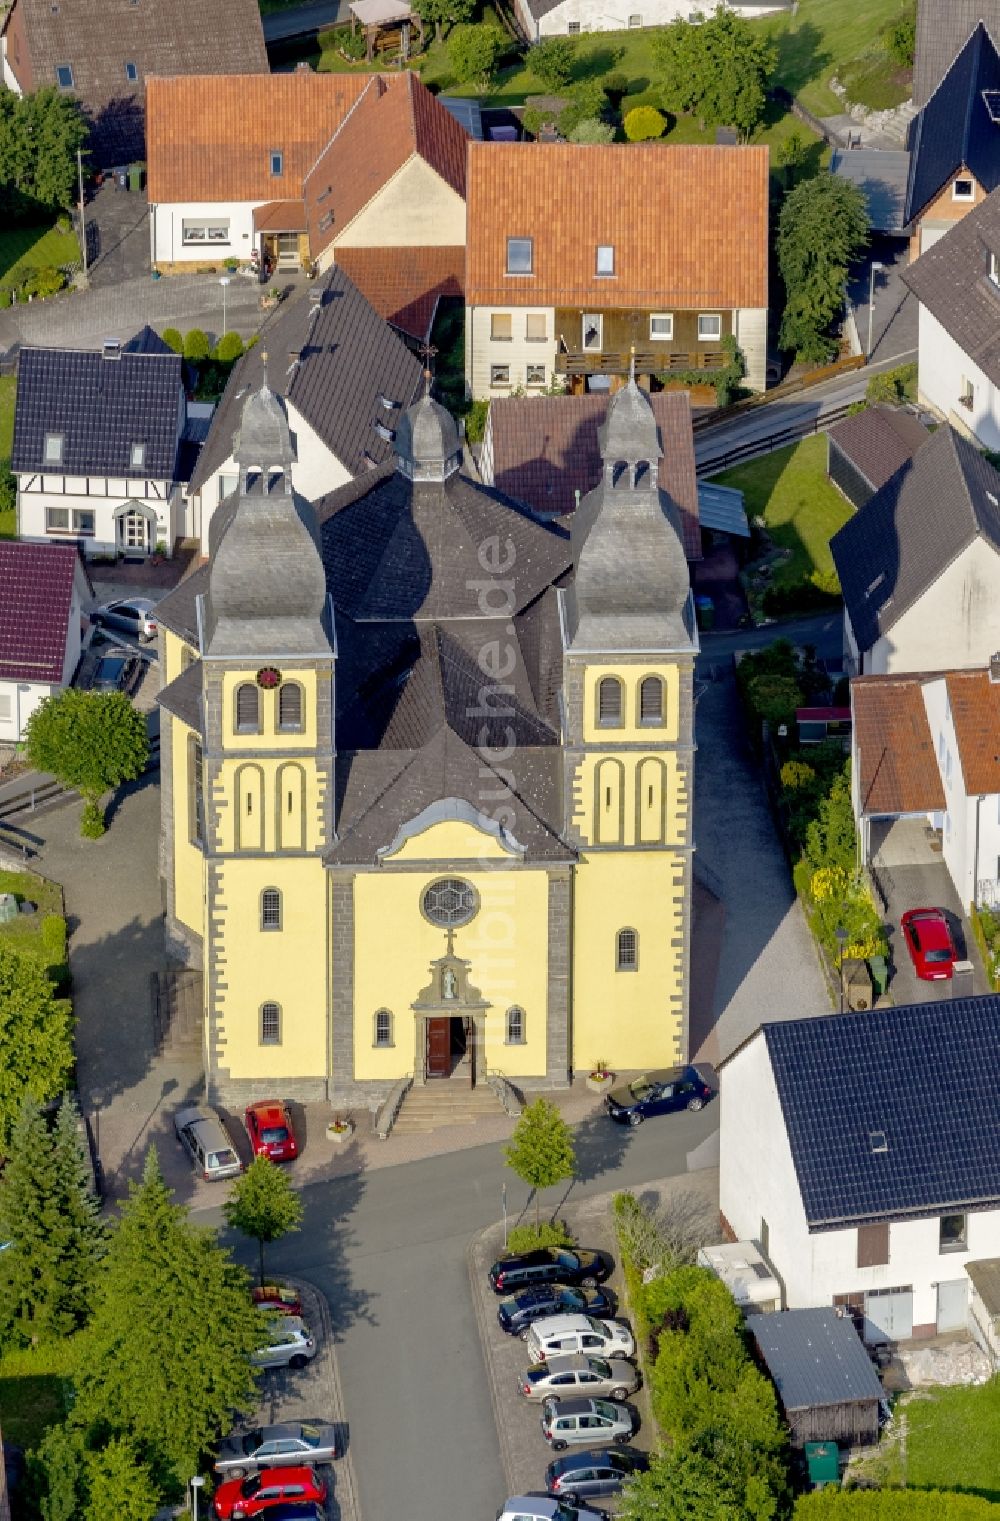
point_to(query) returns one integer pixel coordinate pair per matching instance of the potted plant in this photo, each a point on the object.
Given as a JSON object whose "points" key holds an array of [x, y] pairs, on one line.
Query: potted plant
{"points": [[600, 1078], [339, 1129], [271, 297]]}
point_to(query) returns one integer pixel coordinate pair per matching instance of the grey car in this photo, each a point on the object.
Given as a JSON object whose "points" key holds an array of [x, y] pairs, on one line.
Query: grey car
{"points": [[576, 1423], [576, 1373], [294, 1445], [289, 1343], [132, 615]]}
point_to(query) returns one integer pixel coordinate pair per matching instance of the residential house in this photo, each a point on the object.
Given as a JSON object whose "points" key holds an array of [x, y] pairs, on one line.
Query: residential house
{"points": [[104, 52], [943, 29], [984, 1306], [957, 286], [405, 285], [553, 18], [955, 144], [881, 174], [105, 441], [861, 1153], [577, 255], [345, 379], [865, 450], [824, 1379], [45, 600], [919, 565]]}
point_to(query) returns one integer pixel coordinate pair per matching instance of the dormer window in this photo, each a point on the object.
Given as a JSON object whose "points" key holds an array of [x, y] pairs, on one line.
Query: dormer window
{"points": [[137, 458], [277, 161], [519, 256], [963, 189], [64, 75], [131, 72], [605, 259], [53, 448]]}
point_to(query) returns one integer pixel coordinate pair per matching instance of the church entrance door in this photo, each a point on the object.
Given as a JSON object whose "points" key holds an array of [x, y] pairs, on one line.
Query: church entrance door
{"points": [[438, 1047]]}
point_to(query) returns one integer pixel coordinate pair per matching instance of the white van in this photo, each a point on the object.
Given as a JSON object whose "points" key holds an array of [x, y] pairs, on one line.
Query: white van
{"points": [[201, 1134]]}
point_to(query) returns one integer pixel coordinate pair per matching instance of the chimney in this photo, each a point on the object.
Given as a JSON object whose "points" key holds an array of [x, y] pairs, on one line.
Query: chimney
{"points": [[315, 296], [111, 349], [995, 668]]}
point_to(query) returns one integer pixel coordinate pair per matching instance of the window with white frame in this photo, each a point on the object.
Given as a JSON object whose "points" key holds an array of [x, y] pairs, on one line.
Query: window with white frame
{"points": [[78, 520], [383, 1028], [573, 28], [205, 230], [53, 448], [661, 326], [534, 375], [515, 1026], [131, 72], [270, 1024], [605, 259], [270, 909], [6, 705], [64, 76], [709, 327], [535, 327], [953, 1233], [227, 485], [501, 327], [499, 374], [627, 951], [137, 458], [963, 189], [519, 256], [635, 19], [966, 393], [277, 161]]}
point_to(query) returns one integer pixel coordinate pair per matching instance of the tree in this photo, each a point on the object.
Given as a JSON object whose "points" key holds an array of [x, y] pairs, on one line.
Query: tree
{"points": [[717, 69], [263, 1205], [229, 348], [587, 101], [119, 1484], [92, 741], [591, 131], [541, 1149], [39, 137], [196, 345], [56, 1474], [440, 11], [475, 51], [36, 1036], [551, 61], [831, 839], [683, 1485], [173, 338], [823, 226], [791, 156], [166, 1359], [643, 123]]}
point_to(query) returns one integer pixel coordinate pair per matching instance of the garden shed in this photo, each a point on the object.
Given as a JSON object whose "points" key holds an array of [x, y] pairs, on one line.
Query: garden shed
{"points": [[984, 1305], [867, 448], [828, 1388]]}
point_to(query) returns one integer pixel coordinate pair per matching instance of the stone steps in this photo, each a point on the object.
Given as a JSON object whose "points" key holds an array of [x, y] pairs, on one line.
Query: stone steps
{"points": [[445, 1101]]}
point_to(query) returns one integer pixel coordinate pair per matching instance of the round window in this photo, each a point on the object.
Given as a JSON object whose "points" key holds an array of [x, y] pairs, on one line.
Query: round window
{"points": [[450, 902]]}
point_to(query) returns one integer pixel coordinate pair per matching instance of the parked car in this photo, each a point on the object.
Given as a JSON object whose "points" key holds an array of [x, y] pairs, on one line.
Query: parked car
{"points": [[550, 1264], [201, 1134], [289, 1344], [598, 1471], [575, 1373], [259, 1493], [516, 1314], [574, 1423], [134, 616], [547, 1508], [277, 1298], [245, 1452], [115, 673], [930, 942], [662, 1092], [269, 1126], [578, 1333], [291, 1510]]}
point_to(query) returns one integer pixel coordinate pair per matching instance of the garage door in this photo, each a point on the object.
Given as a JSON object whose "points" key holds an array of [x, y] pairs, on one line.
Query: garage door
{"points": [[889, 1315], [952, 1304], [931, 235]]}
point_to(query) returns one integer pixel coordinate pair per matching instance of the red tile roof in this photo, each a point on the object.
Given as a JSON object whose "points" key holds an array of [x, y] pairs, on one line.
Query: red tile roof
{"points": [[898, 770], [688, 224], [405, 284], [545, 449], [975, 712], [36, 593], [280, 216]]}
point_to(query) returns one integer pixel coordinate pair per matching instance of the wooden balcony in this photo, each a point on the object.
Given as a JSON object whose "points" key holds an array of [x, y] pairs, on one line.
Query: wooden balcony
{"points": [[647, 361]]}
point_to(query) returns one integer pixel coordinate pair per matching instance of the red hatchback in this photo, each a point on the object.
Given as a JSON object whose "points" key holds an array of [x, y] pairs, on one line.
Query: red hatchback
{"points": [[269, 1126], [277, 1298], [929, 942], [256, 1494]]}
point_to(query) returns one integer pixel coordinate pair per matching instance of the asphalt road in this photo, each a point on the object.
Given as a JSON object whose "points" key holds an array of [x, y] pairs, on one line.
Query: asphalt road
{"points": [[301, 20], [389, 1252]]}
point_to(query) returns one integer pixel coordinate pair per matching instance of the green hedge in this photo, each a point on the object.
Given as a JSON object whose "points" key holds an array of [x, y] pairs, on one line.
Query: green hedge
{"points": [[893, 1505], [526, 1238], [53, 937], [986, 929]]}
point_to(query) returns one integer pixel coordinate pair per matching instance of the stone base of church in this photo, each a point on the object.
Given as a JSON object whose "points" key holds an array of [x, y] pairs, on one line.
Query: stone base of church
{"points": [[236, 1093], [182, 944]]}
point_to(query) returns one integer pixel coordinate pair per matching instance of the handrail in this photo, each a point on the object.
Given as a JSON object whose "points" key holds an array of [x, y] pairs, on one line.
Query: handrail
{"points": [[38, 794], [388, 1111], [510, 1099]]}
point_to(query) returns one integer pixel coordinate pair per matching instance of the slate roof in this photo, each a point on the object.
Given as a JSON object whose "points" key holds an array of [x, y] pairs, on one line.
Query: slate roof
{"points": [[182, 696], [955, 129], [898, 770], [985, 1275], [101, 406], [545, 449], [348, 359], [975, 713], [910, 531], [36, 594], [879, 441], [849, 1083], [688, 224], [943, 28], [393, 121], [952, 281], [96, 38], [404, 285], [881, 175], [815, 1358]]}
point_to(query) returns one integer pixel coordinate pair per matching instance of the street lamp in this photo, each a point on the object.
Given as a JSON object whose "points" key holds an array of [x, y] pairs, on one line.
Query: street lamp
{"points": [[876, 264], [842, 938], [224, 282], [196, 1484]]}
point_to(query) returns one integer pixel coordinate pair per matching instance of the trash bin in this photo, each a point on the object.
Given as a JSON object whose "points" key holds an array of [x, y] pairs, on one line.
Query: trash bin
{"points": [[705, 612], [136, 175], [879, 969], [822, 1463], [121, 179]]}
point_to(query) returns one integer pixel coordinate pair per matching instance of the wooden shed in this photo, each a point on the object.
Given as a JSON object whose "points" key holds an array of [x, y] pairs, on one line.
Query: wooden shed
{"points": [[828, 1388], [867, 448]]}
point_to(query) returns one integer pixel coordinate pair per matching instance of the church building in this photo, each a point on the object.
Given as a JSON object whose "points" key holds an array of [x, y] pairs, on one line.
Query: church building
{"points": [[427, 772]]}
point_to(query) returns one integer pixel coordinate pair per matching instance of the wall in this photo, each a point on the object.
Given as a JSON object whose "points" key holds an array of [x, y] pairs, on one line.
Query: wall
{"points": [[18, 74], [33, 505], [751, 335], [942, 369], [188, 863], [25, 697], [954, 625], [482, 351], [611, 16], [942, 213], [166, 244], [416, 208]]}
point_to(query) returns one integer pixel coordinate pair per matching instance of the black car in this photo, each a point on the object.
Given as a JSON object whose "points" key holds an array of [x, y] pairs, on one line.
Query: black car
{"points": [[549, 1264], [115, 673], [516, 1314], [595, 1471], [662, 1092]]}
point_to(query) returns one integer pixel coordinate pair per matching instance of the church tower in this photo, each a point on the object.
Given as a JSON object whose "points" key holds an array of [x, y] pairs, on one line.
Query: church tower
{"points": [[266, 776], [629, 645]]}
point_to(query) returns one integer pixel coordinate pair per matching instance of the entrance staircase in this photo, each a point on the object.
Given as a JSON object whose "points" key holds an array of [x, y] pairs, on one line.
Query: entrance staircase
{"points": [[445, 1101]]}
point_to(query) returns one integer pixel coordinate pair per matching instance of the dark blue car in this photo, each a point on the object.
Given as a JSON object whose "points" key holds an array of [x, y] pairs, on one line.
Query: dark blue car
{"points": [[516, 1314], [662, 1092]]}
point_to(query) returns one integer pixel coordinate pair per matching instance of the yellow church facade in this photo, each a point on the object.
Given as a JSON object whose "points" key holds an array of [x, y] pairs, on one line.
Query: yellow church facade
{"points": [[427, 770]]}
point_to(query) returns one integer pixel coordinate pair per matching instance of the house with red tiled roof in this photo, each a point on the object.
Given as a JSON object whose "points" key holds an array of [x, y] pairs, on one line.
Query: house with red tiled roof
{"points": [[576, 255], [45, 601]]}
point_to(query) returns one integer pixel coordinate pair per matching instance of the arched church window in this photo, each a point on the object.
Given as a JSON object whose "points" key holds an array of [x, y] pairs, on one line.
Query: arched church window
{"points": [[290, 707], [610, 702], [515, 1026], [247, 708], [270, 909], [627, 951], [383, 1028], [270, 1024], [450, 902], [651, 700]]}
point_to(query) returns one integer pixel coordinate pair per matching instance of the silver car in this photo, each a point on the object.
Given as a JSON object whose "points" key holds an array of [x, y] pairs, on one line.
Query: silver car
{"points": [[289, 1343], [131, 615], [564, 1377], [581, 1423], [286, 1446], [556, 1334]]}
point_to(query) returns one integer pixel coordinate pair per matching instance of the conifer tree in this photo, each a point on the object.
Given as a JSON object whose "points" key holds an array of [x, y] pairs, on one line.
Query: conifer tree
{"points": [[119, 1485], [541, 1149], [56, 1474]]}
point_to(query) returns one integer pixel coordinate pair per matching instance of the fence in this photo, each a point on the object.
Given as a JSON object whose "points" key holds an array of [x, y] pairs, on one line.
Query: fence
{"points": [[792, 433]]}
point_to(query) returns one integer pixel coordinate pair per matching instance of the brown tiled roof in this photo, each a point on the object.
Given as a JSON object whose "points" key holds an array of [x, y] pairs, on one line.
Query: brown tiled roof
{"points": [[897, 768], [36, 594], [545, 449], [404, 285], [392, 121], [688, 224], [280, 216], [975, 712], [879, 441], [210, 138]]}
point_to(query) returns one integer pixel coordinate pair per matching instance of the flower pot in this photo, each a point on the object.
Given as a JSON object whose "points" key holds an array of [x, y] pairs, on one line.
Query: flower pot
{"points": [[339, 1133], [600, 1083]]}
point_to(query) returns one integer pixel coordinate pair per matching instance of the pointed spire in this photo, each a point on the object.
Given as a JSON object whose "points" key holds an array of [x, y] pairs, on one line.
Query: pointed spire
{"points": [[631, 365]]}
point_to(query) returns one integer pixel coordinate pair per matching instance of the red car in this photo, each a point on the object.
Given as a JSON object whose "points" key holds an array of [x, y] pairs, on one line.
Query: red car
{"points": [[269, 1126], [256, 1494], [276, 1298], [929, 942]]}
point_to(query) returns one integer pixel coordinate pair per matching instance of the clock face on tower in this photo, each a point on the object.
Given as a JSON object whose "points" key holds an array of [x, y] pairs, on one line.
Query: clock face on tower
{"points": [[269, 678]]}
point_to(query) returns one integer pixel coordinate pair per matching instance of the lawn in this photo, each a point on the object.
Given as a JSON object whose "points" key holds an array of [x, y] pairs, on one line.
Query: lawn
{"points": [[952, 1442], [27, 248], [33, 1390], [801, 509], [25, 931]]}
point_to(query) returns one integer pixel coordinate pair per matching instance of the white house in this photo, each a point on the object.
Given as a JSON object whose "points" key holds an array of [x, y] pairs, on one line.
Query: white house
{"points": [[553, 18], [104, 443], [861, 1154], [45, 602], [919, 564]]}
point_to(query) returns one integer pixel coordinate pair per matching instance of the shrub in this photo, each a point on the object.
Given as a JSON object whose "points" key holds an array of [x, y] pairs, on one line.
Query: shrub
{"points": [[474, 52], [643, 123], [586, 103], [229, 348], [615, 88], [796, 774], [830, 840], [828, 1504], [5, 298], [172, 338], [775, 698], [806, 597], [893, 386], [196, 345], [527, 1238], [551, 61], [591, 131], [45, 282], [53, 938], [901, 39], [92, 824], [534, 120], [475, 421]]}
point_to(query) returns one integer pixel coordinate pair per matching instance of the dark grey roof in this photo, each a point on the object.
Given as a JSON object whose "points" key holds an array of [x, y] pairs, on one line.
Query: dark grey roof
{"points": [[178, 609], [101, 407], [182, 696], [955, 129], [815, 1358], [912, 529], [878, 441], [881, 175], [952, 280], [147, 341], [892, 1113], [943, 29], [346, 360]]}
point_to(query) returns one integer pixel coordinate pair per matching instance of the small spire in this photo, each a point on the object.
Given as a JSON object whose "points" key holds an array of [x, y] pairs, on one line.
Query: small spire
{"points": [[631, 365], [263, 356]]}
